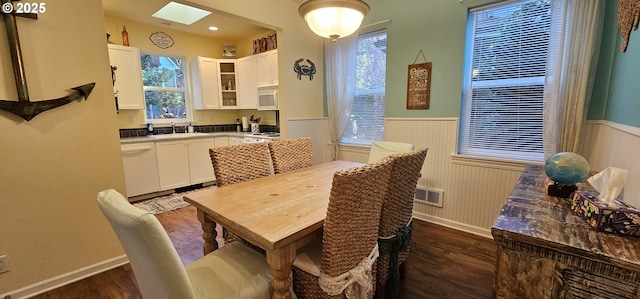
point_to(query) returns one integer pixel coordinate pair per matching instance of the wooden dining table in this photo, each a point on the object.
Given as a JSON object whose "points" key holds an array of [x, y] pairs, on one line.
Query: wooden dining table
{"points": [[279, 213]]}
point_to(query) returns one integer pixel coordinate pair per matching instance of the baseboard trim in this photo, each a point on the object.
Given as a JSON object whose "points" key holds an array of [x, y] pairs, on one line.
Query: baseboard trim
{"points": [[66, 278], [483, 232]]}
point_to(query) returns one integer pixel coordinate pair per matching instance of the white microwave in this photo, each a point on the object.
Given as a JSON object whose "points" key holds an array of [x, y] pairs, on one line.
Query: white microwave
{"points": [[268, 99]]}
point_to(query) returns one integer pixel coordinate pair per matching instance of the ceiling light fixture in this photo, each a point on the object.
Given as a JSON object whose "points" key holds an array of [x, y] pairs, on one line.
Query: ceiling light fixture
{"points": [[181, 13], [213, 28], [334, 18]]}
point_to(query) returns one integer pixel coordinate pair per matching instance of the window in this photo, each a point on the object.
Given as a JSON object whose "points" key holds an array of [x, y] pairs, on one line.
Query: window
{"points": [[164, 87], [505, 68], [366, 123]]}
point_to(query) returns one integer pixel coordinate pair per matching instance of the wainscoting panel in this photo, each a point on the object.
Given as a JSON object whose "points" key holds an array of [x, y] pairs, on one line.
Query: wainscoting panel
{"points": [[608, 144], [473, 194], [475, 190]]}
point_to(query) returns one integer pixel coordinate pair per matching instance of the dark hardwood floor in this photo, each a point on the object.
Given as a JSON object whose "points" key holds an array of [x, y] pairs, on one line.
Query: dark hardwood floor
{"points": [[444, 263]]}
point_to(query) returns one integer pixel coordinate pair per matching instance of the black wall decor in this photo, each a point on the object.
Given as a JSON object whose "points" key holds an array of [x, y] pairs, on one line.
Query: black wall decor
{"points": [[24, 107], [302, 69]]}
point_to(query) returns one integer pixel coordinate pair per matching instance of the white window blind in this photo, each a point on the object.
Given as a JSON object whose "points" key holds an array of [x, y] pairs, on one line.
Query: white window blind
{"points": [[366, 122], [505, 69]]}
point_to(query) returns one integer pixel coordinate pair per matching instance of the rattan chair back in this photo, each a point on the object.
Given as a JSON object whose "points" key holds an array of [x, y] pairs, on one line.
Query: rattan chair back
{"points": [[291, 154], [397, 211], [240, 162], [351, 226]]}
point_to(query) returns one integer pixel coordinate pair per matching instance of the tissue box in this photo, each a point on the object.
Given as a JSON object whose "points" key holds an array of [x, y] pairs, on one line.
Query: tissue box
{"points": [[622, 219]]}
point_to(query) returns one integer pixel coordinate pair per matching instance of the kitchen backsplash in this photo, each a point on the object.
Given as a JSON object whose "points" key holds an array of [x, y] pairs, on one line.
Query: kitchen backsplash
{"points": [[124, 133]]}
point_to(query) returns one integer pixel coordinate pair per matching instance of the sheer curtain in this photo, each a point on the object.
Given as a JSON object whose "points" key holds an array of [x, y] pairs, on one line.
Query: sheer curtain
{"points": [[340, 76], [573, 59]]}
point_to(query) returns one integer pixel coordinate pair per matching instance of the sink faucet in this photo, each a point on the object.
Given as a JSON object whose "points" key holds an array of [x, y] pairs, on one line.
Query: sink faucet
{"points": [[173, 127]]}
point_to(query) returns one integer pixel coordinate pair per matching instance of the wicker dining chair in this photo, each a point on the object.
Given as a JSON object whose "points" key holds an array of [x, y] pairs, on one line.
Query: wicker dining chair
{"points": [[238, 163], [291, 154], [396, 220], [349, 244]]}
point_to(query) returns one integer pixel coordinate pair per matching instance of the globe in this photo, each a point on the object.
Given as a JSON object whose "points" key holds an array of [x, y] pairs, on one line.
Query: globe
{"points": [[566, 168]]}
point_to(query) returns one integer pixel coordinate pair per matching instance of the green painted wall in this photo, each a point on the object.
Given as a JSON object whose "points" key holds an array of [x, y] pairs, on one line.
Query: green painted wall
{"points": [[608, 49], [616, 95], [437, 27]]}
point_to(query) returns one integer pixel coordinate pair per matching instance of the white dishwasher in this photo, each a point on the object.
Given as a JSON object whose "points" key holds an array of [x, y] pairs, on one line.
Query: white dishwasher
{"points": [[140, 168]]}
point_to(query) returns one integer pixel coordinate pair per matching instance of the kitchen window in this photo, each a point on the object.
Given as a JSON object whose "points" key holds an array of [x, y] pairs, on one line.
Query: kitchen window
{"points": [[163, 78], [366, 123], [504, 80]]}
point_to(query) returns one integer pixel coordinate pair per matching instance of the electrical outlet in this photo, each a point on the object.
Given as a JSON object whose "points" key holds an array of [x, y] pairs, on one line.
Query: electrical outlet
{"points": [[4, 264]]}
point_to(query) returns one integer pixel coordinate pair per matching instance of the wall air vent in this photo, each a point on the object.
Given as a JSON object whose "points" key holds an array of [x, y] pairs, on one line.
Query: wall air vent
{"points": [[429, 196]]}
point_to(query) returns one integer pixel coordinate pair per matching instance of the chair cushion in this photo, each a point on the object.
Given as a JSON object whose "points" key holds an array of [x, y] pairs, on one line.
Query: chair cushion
{"points": [[381, 149], [309, 258], [233, 271]]}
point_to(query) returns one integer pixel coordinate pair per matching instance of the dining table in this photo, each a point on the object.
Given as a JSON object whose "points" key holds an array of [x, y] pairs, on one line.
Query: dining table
{"points": [[279, 213]]}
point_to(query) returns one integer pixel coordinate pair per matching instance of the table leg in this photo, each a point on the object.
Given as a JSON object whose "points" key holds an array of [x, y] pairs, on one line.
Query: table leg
{"points": [[209, 232], [280, 261]]}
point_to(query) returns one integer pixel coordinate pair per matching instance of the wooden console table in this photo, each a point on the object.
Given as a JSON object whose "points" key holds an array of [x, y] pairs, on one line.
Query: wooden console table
{"points": [[546, 251]]}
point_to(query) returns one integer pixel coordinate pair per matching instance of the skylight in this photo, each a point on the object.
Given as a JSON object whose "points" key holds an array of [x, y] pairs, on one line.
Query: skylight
{"points": [[181, 13]]}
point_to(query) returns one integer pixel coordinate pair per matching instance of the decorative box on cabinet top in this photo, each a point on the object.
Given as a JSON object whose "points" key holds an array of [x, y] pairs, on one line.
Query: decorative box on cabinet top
{"points": [[622, 219]]}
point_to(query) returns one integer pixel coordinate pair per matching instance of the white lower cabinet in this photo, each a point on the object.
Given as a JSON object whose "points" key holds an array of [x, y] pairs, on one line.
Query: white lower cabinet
{"points": [[173, 164], [184, 162], [200, 167], [140, 168]]}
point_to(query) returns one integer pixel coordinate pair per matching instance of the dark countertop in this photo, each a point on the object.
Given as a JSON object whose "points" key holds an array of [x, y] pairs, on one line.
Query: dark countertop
{"points": [[179, 136]]}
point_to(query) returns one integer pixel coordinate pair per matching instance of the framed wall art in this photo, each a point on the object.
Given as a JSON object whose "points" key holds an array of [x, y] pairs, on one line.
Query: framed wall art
{"points": [[229, 50], [418, 85]]}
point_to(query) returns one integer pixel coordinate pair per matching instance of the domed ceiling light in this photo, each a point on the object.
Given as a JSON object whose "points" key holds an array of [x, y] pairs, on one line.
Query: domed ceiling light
{"points": [[334, 18]]}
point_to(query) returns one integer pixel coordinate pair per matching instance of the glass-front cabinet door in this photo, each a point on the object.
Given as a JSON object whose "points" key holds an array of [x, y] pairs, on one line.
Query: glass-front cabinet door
{"points": [[228, 93]]}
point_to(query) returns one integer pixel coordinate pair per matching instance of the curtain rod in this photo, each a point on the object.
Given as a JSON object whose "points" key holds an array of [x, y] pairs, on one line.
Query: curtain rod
{"points": [[376, 23]]}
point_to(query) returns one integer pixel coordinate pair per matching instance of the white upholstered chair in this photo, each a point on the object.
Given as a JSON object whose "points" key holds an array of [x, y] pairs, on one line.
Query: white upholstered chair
{"points": [[381, 149], [233, 271]]}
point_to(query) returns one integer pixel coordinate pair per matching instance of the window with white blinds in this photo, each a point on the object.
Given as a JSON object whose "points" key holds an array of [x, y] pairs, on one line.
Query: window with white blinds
{"points": [[506, 53], [366, 122]]}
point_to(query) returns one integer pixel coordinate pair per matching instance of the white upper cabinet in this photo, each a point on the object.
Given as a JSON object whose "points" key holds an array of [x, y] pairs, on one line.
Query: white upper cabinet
{"points": [[205, 86], [247, 83], [128, 76], [267, 68]]}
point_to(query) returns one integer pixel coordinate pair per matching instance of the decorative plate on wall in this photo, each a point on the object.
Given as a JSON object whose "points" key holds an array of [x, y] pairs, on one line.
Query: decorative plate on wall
{"points": [[161, 40]]}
